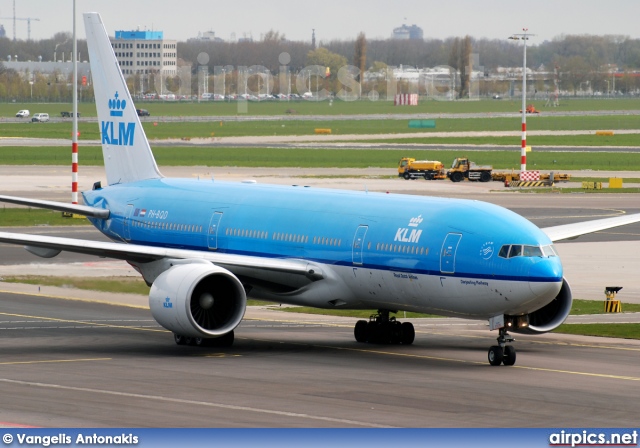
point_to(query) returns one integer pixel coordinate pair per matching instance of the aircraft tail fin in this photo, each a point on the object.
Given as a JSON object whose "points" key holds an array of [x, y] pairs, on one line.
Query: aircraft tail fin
{"points": [[126, 150]]}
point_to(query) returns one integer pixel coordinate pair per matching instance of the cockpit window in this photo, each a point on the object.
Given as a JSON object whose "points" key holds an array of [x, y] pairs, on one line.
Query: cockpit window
{"points": [[504, 251], [518, 250], [532, 251]]}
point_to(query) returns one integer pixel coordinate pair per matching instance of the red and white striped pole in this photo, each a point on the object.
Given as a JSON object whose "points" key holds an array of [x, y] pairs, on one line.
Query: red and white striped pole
{"points": [[523, 149], [74, 132]]}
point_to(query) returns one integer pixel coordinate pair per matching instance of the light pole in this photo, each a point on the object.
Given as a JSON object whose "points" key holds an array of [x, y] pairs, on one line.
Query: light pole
{"points": [[523, 151]]}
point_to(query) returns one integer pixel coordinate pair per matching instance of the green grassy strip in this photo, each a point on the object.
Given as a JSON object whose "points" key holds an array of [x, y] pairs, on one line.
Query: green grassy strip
{"points": [[581, 307], [336, 107], [121, 285], [624, 331], [159, 129], [23, 217], [514, 142], [329, 158]]}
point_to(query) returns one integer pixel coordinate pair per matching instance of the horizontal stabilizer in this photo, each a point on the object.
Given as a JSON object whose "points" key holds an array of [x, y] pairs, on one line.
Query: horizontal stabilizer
{"points": [[568, 231], [83, 210]]}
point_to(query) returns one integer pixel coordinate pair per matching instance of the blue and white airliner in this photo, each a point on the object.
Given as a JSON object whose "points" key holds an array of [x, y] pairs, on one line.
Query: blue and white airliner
{"points": [[205, 245]]}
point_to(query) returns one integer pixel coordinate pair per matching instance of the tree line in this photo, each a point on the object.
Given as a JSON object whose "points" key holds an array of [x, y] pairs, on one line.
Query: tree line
{"points": [[581, 60]]}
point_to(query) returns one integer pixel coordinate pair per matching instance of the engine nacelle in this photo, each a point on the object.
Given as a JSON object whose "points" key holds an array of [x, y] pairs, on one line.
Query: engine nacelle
{"points": [[550, 316], [198, 300]]}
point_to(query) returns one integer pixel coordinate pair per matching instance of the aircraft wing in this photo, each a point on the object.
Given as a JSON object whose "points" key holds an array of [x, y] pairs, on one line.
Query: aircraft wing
{"points": [[142, 254], [83, 210], [570, 231]]}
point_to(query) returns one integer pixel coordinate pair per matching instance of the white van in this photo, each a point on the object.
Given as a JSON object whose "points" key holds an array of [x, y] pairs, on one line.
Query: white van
{"points": [[40, 118], [24, 113]]}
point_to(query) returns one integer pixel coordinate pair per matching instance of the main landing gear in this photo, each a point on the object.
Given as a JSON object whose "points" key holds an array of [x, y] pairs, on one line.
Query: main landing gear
{"points": [[382, 329], [223, 341], [502, 353]]}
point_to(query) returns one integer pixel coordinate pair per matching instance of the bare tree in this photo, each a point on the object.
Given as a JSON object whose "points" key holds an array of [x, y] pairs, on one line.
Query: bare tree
{"points": [[360, 54], [464, 66]]}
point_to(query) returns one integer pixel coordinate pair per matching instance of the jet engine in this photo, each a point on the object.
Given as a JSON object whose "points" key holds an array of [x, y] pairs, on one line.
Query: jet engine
{"points": [[547, 318], [199, 300]]}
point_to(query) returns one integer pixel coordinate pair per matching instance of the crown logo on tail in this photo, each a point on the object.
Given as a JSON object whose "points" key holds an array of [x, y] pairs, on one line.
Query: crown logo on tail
{"points": [[116, 106]]}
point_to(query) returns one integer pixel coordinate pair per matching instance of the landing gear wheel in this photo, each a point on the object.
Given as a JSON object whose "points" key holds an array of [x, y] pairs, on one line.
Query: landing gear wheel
{"points": [[408, 333], [485, 176], [509, 358], [502, 353], [360, 331], [495, 355], [180, 340], [382, 329], [456, 177]]}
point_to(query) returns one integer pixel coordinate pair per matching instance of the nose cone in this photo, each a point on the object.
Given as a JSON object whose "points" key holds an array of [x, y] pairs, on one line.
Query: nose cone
{"points": [[546, 270], [545, 277]]}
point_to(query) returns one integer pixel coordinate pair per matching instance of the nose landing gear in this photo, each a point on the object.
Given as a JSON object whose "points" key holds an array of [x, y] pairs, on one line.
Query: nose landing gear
{"points": [[502, 353]]}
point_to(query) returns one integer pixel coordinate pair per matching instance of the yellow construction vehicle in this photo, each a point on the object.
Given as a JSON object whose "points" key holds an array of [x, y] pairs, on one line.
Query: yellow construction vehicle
{"points": [[409, 168], [462, 169]]}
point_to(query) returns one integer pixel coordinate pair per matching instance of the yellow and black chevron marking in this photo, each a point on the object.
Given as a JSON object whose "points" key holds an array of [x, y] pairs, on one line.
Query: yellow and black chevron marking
{"points": [[533, 183], [612, 306]]}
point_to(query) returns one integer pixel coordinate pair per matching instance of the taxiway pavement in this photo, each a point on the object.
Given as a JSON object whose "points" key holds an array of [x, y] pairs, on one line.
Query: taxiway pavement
{"points": [[79, 364]]}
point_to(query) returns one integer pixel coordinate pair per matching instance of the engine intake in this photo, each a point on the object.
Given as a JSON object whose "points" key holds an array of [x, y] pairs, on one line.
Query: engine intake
{"points": [[550, 316], [198, 300]]}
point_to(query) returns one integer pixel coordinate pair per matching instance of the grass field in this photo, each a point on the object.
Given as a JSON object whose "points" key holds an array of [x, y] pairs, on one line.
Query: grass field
{"points": [[337, 107], [330, 158], [163, 130], [625, 331], [10, 216]]}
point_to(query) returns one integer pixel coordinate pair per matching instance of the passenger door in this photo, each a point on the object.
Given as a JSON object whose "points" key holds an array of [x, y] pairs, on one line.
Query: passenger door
{"points": [[358, 244], [214, 224], [448, 253]]}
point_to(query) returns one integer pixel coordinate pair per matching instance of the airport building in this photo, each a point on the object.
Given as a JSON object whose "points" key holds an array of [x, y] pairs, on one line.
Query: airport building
{"points": [[405, 32], [145, 52]]}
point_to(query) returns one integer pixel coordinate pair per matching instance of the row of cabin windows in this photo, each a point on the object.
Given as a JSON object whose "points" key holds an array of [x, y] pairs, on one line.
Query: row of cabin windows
{"points": [[327, 241], [404, 249], [277, 236], [259, 234], [246, 233], [191, 228]]}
